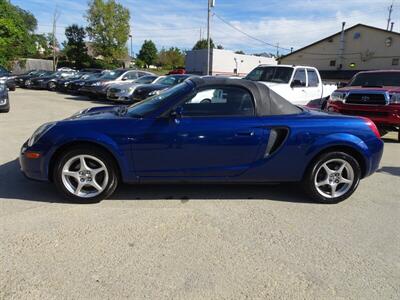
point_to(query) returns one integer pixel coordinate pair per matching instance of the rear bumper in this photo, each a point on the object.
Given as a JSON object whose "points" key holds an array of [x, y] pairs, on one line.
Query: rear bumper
{"points": [[381, 115]]}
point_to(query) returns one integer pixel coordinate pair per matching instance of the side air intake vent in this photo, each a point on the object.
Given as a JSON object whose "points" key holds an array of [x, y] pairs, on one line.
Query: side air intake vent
{"points": [[276, 138]]}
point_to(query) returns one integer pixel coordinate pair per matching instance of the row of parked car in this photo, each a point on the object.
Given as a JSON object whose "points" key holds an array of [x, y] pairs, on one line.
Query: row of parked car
{"points": [[372, 94], [119, 85]]}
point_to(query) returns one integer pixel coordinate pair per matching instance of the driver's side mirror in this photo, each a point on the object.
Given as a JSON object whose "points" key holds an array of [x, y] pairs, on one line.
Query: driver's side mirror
{"points": [[124, 78], [341, 84], [297, 83]]}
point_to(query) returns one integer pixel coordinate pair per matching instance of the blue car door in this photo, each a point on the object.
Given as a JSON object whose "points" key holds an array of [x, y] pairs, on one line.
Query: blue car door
{"points": [[216, 134]]}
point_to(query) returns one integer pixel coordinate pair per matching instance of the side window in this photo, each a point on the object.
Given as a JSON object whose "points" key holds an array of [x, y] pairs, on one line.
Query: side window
{"points": [[313, 79], [226, 101], [300, 75], [131, 75]]}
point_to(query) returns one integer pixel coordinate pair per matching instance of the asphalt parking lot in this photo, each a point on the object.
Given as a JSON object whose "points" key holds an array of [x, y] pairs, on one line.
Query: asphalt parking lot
{"points": [[190, 242]]}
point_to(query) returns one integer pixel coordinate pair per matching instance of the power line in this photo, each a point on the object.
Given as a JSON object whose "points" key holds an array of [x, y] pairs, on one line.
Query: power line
{"points": [[248, 35]]}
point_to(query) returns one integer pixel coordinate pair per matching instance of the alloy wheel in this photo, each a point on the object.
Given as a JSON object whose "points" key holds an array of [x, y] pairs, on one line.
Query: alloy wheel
{"points": [[85, 176], [334, 178]]}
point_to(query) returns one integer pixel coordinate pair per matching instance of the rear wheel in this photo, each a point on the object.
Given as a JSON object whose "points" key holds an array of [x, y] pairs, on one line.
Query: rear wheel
{"points": [[85, 175], [332, 177]]}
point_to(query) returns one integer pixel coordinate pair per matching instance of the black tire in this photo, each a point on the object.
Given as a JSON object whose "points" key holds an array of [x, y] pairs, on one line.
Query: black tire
{"points": [[113, 178], [51, 86], [310, 177]]}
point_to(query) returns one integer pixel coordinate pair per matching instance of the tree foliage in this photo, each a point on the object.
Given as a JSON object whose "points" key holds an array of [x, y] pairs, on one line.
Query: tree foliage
{"points": [[203, 44], [171, 58], [239, 52], [16, 33], [148, 53], [75, 48], [108, 28]]}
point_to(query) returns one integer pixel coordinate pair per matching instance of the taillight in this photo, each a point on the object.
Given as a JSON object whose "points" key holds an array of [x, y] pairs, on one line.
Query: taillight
{"points": [[372, 126]]}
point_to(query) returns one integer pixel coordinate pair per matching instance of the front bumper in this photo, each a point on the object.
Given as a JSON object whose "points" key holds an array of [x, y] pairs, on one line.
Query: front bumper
{"points": [[94, 91], [122, 97], [4, 103], [32, 168], [38, 85], [381, 115]]}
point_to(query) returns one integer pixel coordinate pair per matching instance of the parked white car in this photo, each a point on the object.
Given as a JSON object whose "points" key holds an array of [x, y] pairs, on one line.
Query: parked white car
{"points": [[122, 91], [301, 85]]}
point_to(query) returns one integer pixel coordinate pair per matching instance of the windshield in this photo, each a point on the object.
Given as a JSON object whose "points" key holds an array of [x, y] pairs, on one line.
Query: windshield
{"points": [[153, 103], [145, 79], [172, 80], [271, 74], [112, 75], [376, 79]]}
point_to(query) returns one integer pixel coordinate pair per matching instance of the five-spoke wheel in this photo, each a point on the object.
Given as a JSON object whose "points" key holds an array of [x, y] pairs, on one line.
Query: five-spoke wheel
{"points": [[86, 175], [332, 177]]}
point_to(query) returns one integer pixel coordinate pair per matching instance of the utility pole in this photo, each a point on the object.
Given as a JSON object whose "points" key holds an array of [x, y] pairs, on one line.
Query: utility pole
{"points": [[56, 15], [390, 15], [211, 3], [130, 36], [277, 50]]}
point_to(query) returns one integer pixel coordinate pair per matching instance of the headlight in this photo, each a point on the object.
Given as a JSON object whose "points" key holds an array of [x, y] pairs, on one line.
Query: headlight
{"points": [[40, 132], [81, 83], [2, 86], [131, 89], [338, 96], [395, 98], [97, 83], [66, 83]]}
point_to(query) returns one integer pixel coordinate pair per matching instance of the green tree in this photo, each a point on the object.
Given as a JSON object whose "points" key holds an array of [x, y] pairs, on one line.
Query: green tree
{"points": [[239, 52], [16, 33], [202, 44], [75, 48], [171, 58], [148, 53], [108, 28]]}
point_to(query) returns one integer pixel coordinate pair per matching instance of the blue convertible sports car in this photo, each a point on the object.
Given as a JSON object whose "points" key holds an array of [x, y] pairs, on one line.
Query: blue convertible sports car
{"points": [[204, 130]]}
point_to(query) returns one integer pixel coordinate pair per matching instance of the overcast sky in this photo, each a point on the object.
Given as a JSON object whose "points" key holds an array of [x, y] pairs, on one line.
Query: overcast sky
{"points": [[291, 23]]}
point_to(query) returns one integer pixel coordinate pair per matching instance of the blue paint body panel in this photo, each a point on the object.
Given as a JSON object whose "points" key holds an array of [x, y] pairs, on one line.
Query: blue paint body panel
{"points": [[157, 148]]}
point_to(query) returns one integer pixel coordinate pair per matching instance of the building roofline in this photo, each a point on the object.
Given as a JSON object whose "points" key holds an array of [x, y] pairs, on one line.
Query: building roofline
{"points": [[338, 33]]}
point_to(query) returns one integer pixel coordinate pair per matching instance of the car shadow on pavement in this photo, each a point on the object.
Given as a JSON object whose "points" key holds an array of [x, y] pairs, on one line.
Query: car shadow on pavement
{"points": [[13, 185], [395, 171]]}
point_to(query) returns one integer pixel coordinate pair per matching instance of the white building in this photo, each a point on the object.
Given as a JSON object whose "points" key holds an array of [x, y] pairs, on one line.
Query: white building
{"points": [[224, 62]]}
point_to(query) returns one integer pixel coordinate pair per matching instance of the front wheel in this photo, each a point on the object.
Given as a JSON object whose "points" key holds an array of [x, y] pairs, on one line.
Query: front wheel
{"points": [[85, 175], [332, 177], [51, 86]]}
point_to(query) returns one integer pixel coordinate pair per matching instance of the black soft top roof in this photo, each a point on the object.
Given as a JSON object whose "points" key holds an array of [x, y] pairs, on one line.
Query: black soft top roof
{"points": [[266, 101]]}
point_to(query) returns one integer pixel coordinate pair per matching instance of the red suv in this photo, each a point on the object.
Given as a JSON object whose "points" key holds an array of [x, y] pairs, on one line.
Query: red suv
{"points": [[372, 94]]}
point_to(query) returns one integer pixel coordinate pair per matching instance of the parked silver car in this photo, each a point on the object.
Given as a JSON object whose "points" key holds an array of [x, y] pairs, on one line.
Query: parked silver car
{"points": [[122, 92]]}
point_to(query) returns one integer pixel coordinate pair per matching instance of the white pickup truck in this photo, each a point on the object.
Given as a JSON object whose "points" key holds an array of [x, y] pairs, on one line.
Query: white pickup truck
{"points": [[300, 85]]}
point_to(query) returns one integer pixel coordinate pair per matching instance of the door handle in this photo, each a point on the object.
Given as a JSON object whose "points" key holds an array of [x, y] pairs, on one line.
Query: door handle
{"points": [[245, 133]]}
